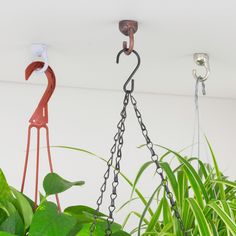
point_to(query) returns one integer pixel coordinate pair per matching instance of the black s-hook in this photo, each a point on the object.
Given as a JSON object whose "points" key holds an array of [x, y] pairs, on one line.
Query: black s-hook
{"points": [[132, 74]]}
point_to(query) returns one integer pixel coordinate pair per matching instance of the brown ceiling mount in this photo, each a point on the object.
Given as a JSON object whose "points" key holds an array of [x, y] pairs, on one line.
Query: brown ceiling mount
{"points": [[128, 28]]}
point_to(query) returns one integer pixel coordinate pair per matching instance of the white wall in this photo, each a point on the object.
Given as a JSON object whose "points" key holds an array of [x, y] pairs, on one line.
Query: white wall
{"points": [[87, 119]]}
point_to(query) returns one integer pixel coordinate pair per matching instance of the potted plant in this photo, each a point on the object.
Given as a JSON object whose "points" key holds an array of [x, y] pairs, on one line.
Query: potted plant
{"points": [[205, 198], [18, 217]]}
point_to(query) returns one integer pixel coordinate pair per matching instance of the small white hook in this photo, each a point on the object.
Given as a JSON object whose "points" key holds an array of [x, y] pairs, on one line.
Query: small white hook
{"points": [[40, 50], [201, 59]]}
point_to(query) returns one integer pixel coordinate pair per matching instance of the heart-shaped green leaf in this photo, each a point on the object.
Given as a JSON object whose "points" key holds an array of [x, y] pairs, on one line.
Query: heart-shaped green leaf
{"points": [[6, 234], [47, 221], [53, 183], [23, 207], [100, 229], [13, 224], [5, 191], [120, 233], [3, 214], [83, 214]]}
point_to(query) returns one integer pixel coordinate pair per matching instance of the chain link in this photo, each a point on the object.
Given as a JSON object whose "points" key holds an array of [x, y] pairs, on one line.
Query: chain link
{"points": [[116, 148], [117, 151], [155, 160], [115, 182]]}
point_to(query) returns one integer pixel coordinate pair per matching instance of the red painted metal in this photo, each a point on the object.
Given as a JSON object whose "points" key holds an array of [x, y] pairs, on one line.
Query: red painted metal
{"points": [[39, 120], [128, 28]]}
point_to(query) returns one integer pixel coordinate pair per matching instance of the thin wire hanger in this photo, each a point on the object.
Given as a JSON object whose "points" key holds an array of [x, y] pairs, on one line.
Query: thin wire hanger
{"points": [[201, 59]]}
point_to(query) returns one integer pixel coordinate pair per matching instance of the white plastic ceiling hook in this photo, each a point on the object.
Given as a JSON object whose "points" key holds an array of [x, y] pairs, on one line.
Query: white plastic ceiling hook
{"points": [[201, 59], [40, 50]]}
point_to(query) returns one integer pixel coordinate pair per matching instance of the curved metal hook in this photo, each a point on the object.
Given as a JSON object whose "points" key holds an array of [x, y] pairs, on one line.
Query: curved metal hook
{"points": [[132, 74], [201, 59], [39, 120], [128, 50], [40, 115]]}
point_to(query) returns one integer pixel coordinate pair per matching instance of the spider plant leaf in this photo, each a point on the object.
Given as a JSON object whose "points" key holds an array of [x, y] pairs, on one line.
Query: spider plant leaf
{"points": [[141, 171], [218, 173], [225, 182], [146, 209], [138, 176], [171, 179], [229, 223], [166, 229], [127, 203], [137, 214], [155, 218], [214, 229], [182, 188], [202, 223], [194, 179], [140, 195], [195, 176], [167, 215]]}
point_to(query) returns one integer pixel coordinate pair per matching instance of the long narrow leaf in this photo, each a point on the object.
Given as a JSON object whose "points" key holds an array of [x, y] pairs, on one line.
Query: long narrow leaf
{"points": [[154, 220], [146, 209], [230, 224], [140, 195], [218, 173], [203, 226]]}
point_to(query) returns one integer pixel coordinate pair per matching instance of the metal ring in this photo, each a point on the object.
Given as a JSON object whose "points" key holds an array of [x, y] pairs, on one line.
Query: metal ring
{"points": [[201, 59]]}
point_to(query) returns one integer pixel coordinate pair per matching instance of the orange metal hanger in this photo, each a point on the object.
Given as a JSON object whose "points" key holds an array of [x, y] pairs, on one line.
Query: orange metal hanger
{"points": [[39, 120]]}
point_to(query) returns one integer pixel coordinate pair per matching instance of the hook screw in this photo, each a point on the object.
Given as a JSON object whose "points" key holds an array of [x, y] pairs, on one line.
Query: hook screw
{"points": [[128, 28], [40, 50], [201, 59]]}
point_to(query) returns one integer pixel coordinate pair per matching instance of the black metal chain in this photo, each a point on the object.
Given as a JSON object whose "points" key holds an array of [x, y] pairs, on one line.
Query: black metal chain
{"points": [[155, 159], [115, 182], [116, 148]]}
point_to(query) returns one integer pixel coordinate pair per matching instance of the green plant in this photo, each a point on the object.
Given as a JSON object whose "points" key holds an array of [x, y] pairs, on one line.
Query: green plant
{"points": [[17, 216], [205, 198]]}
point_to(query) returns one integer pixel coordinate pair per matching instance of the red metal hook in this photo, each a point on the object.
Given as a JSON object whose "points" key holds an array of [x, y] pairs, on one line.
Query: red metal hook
{"points": [[128, 28], [39, 120], [40, 116], [129, 49]]}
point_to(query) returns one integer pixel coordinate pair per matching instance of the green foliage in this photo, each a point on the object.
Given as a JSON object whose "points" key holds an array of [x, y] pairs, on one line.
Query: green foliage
{"points": [[17, 216], [48, 221], [6, 234], [15, 213], [53, 183], [205, 198], [83, 214], [5, 191], [23, 207]]}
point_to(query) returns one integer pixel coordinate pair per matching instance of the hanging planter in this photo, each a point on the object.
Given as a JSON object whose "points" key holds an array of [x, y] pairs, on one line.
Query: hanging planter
{"points": [[205, 197], [187, 201]]}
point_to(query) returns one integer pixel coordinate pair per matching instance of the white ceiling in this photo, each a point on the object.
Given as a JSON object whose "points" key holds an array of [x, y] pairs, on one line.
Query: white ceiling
{"points": [[83, 40]]}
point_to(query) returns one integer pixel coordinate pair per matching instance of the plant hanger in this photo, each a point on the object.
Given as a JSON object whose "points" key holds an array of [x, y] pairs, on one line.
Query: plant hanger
{"points": [[128, 28], [39, 119], [201, 59]]}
